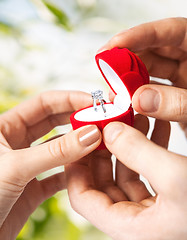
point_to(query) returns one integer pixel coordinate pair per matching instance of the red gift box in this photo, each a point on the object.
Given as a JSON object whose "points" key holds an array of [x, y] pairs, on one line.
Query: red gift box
{"points": [[125, 73]]}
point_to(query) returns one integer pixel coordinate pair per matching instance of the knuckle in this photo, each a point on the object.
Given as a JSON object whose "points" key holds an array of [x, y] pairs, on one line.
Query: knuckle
{"points": [[181, 106], [64, 148], [74, 205], [13, 178], [115, 40], [9, 164], [130, 142], [176, 176], [44, 104], [76, 200], [59, 148]]}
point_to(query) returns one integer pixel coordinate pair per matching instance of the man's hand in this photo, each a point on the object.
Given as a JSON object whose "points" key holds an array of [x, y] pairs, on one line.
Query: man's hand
{"points": [[121, 206], [162, 46]]}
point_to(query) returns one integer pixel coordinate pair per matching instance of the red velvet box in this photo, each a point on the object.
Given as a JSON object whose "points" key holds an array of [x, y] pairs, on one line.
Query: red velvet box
{"points": [[125, 73]]}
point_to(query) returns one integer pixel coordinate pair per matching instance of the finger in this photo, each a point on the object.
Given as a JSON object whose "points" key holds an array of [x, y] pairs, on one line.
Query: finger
{"points": [[96, 206], [39, 130], [144, 157], [34, 194], [27, 163], [159, 66], [141, 123], [148, 202], [50, 103], [4, 146], [43, 127], [102, 171], [111, 95], [161, 133], [161, 102], [183, 125], [167, 32], [51, 185], [171, 52], [82, 192], [127, 180], [43, 107], [37, 192]]}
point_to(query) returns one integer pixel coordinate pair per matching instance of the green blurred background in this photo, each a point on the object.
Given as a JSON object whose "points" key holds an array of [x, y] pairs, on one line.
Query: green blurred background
{"points": [[51, 45]]}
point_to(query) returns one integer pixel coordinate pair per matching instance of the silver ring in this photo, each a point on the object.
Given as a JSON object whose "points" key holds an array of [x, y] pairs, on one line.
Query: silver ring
{"points": [[98, 95]]}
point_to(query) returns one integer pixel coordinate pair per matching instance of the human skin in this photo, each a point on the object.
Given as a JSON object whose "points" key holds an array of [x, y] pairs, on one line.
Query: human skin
{"points": [[121, 206], [20, 191], [162, 46]]}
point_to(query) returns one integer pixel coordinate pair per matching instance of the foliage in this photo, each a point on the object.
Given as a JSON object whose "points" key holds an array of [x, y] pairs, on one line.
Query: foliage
{"points": [[60, 16], [48, 222], [9, 100], [8, 29]]}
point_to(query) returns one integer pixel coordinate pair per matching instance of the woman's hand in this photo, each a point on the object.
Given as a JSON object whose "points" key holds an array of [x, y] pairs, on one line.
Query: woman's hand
{"points": [[20, 192], [121, 206]]}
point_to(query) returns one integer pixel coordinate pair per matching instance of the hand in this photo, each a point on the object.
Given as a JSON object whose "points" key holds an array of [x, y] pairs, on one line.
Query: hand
{"points": [[123, 208], [162, 45], [20, 192]]}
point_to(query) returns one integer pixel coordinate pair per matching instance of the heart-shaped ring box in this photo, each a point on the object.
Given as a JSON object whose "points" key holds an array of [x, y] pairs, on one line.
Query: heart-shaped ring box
{"points": [[125, 73]]}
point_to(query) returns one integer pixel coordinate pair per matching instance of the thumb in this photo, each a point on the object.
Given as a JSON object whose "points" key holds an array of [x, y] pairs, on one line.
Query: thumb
{"points": [[160, 167], [161, 102], [28, 163]]}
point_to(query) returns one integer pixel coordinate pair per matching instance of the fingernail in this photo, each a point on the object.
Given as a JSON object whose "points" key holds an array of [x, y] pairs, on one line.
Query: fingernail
{"points": [[112, 131], [89, 135], [149, 100]]}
